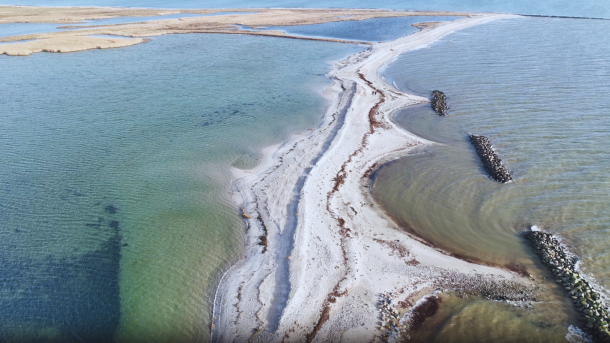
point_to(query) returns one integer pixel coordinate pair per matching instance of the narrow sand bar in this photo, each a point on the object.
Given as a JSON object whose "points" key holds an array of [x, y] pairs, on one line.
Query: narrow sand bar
{"points": [[319, 251], [76, 38], [67, 44]]}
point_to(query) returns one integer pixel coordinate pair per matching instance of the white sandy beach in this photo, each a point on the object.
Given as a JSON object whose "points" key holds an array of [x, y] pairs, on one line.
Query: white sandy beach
{"points": [[330, 250]]}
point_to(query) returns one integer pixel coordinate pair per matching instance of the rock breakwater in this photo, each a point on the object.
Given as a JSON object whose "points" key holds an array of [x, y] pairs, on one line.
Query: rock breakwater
{"points": [[438, 101], [491, 160], [594, 315]]}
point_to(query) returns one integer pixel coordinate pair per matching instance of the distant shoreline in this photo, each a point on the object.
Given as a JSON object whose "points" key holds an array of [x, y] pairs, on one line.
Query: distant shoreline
{"points": [[140, 32]]}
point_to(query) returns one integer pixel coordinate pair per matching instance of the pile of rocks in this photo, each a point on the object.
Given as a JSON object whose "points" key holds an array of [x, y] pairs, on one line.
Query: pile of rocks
{"points": [[438, 101], [390, 317], [594, 315], [493, 288], [491, 160]]}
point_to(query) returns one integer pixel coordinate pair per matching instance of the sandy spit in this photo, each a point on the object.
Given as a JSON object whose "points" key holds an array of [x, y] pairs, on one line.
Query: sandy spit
{"points": [[263, 16], [68, 41], [319, 252], [67, 44]]}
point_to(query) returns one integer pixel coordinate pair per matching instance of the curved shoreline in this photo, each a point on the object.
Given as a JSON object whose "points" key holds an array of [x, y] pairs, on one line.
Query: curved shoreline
{"points": [[346, 250], [79, 39]]}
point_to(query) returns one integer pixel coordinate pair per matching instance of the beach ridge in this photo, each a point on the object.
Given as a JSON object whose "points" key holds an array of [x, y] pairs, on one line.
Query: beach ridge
{"points": [[310, 199]]}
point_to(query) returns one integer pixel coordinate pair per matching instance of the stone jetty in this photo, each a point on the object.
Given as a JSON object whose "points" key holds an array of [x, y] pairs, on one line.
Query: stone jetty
{"points": [[593, 314], [438, 101], [491, 160]]}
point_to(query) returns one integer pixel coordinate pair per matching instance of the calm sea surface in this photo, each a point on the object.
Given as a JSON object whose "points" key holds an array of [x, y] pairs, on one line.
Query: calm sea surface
{"points": [[540, 95], [115, 211], [370, 30]]}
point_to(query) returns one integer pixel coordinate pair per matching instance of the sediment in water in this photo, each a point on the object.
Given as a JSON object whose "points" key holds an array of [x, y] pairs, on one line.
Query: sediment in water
{"points": [[491, 160], [343, 250], [438, 101], [594, 315]]}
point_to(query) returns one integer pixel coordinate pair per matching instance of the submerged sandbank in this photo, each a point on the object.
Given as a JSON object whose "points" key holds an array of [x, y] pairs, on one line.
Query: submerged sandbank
{"points": [[330, 254]]}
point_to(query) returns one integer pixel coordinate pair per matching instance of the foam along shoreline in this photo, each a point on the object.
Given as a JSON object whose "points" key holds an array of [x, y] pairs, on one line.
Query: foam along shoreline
{"points": [[344, 254], [73, 39]]}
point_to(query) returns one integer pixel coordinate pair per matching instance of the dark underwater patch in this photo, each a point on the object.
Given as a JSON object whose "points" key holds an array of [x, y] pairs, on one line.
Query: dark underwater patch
{"points": [[62, 299]]}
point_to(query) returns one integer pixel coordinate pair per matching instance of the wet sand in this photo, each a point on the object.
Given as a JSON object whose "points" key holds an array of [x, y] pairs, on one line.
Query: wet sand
{"points": [[320, 254]]}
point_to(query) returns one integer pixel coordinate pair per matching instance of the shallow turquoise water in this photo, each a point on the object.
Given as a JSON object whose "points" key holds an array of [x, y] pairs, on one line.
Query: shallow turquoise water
{"points": [[114, 187], [114, 203]]}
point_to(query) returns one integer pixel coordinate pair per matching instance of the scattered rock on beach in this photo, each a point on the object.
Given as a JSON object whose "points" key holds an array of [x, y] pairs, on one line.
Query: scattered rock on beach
{"points": [[389, 315]]}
